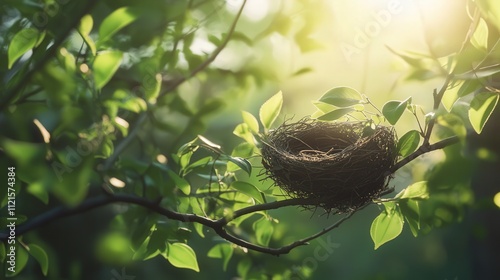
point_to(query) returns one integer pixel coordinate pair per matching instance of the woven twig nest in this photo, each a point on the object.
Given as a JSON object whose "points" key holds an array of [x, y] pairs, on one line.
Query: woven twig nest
{"points": [[338, 166]]}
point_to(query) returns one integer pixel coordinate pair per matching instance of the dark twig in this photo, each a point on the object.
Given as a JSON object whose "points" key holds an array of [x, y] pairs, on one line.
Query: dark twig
{"points": [[217, 225], [423, 150]]}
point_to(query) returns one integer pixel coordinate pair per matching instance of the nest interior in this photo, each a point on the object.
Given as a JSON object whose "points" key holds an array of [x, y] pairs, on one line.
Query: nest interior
{"points": [[338, 166]]}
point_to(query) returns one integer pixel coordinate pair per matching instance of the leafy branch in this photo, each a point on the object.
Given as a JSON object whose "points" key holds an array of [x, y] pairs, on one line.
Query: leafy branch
{"points": [[170, 88]]}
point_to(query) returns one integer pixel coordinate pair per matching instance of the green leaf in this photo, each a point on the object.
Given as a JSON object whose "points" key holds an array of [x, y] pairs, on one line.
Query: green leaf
{"points": [[270, 110], [23, 41], [181, 183], [209, 144], [386, 226], [416, 190], [341, 97], [182, 256], [248, 189], [116, 21], [38, 190], [481, 108], [105, 65], [264, 229], [152, 85], [490, 10], [242, 163], [393, 110], [335, 114], [243, 131], [468, 87], [408, 143], [451, 95], [222, 251], [480, 37], [244, 267], [40, 256], [251, 121], [324, 107], [411, 211], [85, 28]]}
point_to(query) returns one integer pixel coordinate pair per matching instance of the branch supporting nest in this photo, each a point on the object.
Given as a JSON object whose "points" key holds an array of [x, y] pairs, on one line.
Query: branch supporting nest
{"points": [[340, 166]]}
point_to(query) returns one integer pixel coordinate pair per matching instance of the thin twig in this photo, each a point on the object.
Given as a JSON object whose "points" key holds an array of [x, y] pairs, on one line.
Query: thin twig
{"points": [[424, 149]]}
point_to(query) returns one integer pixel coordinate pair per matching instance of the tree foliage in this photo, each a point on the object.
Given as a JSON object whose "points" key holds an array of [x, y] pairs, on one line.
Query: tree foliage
{"points": [[107, 103]]}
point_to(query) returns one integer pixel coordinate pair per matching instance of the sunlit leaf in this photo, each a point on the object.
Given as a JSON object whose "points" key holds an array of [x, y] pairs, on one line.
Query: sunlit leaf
{"points": [[335, 114], [222, 251], [116, 21], [324, 107], [416, 190], [182, 256], [85, 27], [393, 110], [181, 183], [209, 143], [481, 108], [251, 121], [248, 189], [408, 143], [270, 110], [490, 9], [40, 256], [341, 97], [451, 95], [23, 41], [480, 37], [243, 131], [105, 65], [386, 226]]}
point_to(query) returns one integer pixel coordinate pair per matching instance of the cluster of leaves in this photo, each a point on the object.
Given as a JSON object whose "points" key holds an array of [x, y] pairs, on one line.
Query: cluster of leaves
{"points": [[468, 97], [102, 109], [91, 84]]}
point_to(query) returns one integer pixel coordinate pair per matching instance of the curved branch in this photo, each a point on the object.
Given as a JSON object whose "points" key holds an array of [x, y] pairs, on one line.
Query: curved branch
{"points": [[217, 225]]}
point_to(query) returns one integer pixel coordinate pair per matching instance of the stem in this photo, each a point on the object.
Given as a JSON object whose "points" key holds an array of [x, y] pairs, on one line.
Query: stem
{"points": [[423, 150]]}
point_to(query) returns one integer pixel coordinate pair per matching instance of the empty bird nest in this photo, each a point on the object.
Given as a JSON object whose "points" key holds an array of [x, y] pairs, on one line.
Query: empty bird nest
{"points": [[337, 166]]}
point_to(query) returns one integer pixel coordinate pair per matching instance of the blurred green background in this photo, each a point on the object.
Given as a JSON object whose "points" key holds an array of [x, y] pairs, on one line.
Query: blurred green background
{"points": [[302, 48]]}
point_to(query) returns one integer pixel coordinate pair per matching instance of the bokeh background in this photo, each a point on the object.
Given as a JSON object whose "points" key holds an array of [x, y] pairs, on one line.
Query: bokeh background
{"points": [[304, 48]]}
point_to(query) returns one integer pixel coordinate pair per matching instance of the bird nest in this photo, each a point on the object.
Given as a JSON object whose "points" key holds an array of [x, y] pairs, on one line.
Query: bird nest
{"points": [[340, 165]]}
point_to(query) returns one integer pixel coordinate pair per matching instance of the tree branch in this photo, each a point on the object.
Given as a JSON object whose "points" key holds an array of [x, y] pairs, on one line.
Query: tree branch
{"points": [[217, 225], [423, 150]]}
